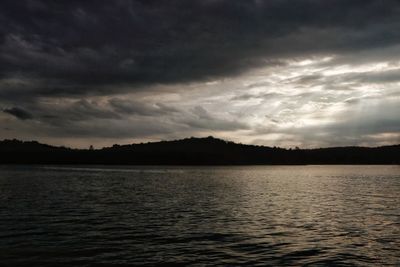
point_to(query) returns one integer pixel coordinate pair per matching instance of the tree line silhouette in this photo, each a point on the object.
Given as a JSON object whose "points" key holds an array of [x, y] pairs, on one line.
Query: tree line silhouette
{"points": [[193, 151]]}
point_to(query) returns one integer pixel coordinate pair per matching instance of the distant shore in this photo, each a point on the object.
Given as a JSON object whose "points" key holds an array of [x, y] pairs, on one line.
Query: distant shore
{"points": [[193, 151]]}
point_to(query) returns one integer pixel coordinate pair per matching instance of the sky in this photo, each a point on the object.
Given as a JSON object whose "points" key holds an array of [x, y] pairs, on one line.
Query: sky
{"points": [[287, 73]]}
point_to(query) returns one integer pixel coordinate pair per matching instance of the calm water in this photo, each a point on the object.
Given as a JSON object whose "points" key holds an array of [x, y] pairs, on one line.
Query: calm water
{"points": [[255, 215]]}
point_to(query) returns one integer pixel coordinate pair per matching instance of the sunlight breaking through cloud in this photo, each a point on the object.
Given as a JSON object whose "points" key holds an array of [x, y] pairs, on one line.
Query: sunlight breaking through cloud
{"points": [[316, 82]]}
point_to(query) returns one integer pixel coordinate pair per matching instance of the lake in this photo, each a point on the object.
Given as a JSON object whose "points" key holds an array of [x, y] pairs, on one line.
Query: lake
{"points": [[242, 215]]}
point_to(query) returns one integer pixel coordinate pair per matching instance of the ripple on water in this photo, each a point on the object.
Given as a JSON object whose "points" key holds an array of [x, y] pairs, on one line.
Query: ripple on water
{"points": [[256, 216]]}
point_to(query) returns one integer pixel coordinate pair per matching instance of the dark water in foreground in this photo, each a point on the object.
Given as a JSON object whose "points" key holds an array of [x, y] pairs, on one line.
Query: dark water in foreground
{"points": [[255, 215]]}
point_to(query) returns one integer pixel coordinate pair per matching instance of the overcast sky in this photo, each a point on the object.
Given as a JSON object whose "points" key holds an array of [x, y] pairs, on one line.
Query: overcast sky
{"points": [[306, 73]]}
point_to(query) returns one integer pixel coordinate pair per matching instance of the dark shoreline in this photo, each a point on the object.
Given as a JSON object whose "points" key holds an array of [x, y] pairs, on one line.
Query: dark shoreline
{"points": [[194, 151]]}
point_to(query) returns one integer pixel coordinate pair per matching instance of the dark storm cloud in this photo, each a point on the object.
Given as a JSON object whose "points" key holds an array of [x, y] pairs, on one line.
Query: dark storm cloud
{"points": [[98, 47], [153, 69], [19, 113]]}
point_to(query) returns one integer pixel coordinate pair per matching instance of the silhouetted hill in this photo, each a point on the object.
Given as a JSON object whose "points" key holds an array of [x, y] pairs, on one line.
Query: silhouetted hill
{"points": [[193, 151]]}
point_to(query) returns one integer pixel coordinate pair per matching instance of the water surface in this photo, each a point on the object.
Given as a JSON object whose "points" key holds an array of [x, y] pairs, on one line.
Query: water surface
{"points": [[253, 215]]}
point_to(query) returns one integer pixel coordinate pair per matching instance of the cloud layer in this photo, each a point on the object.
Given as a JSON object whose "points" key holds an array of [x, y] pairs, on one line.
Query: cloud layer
{"points": [[310, 73]]}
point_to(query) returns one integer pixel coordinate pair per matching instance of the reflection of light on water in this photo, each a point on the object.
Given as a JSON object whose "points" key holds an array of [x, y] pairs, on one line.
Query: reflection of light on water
{"points": [[111, 169], [263, 215]]}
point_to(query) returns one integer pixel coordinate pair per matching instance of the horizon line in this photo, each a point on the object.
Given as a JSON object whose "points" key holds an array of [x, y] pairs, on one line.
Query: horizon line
{"points": [[91, 147]]}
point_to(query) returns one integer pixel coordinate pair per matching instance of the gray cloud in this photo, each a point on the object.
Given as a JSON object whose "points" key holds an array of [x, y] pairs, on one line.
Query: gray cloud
{"points": [[19, 113], [140, 108], [79, 47], [203, 119], [248, 96], [348, 129], [150, 69]]}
